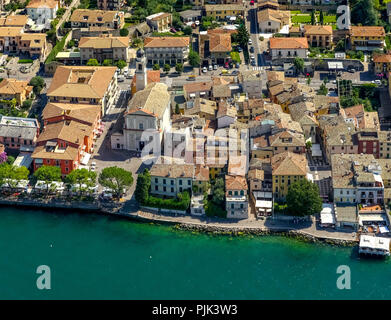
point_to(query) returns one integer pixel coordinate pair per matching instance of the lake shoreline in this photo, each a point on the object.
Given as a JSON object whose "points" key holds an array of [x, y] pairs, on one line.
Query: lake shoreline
{"points": [[177, 224]]}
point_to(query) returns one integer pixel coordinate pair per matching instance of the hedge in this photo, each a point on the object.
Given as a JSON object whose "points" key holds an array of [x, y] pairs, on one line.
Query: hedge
{"points": [[25, 61], [56, 49], [182, 202]]}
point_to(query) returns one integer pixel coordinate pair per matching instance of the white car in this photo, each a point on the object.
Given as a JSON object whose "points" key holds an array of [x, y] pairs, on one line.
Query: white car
{"points": [[197, 23], [204, 69], [210, 67], [377, 82], [215, 67], [121, 78], [250, 42]]}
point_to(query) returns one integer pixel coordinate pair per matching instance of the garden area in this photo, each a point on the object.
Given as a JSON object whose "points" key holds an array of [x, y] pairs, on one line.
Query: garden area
{"points": [[365, 94], [318, 17]]}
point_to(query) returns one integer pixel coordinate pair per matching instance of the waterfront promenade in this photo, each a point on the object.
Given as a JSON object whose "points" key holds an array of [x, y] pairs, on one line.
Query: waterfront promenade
{"points": [[307, 229]]}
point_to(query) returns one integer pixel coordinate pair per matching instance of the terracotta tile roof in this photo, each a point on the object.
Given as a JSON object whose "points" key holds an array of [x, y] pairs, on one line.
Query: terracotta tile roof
{"points": [[42, 3], [225, 109], [81, 82], [166, 42], [204, 106], [317, 30], [288, 43], [84, 112], [14, 86], [93, 16], [235, 183], [288, 163], [256, 174], [382, 58], [104, 42], [154, 100], [70, 131], [274, 15], [70, 153], [197, 87], [10, 31], [201, 173], [367, 31], [353, 112], [172, 170], [220, 42], [152, 77], [15, 20], [37, 40]]}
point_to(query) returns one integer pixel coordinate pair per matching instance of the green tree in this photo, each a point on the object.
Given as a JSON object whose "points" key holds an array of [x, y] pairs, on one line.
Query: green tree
{"points": [[142, 187], [187, 31], [303, 198], [11, 175], [308, 145], [156, 66], [322, 90], [243, 36], [83, 178], [38, 83], [321, 18], [363, 12], [48, 174], [194, 58], [179, 67], [166, 68], [299, 64], [124, 32], [117, 179], [313, 18], [340, 46], [218, 194], [27, 104], [92, 62], [107, 62], [177, 111], [308, 81], [121, 64]]}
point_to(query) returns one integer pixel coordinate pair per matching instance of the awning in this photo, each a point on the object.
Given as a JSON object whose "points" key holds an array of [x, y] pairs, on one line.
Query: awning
{"points": [[335, 65], [85, 158], [327, 218], [263, 204], [192, 95]]}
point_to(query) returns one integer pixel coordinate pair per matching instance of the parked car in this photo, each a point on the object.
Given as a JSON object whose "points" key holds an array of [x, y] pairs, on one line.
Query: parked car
{"points": [[121, 78], [239, 49], [252, 2], [253, 62], [378, 82], [192, 78], [197, 23], [237, 65], [250, 42], [235, 72], [252, 49], [210, 67], [215, 67], [226, 65], [204, 69], [352, 70]]}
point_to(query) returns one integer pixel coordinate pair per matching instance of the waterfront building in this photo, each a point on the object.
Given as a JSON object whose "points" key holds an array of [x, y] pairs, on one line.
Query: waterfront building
{"points": [[236, 200], [375, 246], [287, 168], [171, 179]]}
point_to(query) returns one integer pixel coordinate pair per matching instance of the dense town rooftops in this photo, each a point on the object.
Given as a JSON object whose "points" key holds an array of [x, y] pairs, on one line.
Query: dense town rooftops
{"points": [[68, 153], [201, 173], [288, 43], [256, 174], [289, 163], [202, 105], [271, 14], [83, 81], [152, 100], [166, 42]]}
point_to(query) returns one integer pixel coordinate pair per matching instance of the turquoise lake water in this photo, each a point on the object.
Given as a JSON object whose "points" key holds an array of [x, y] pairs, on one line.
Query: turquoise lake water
{"points": [[98, 257]]}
